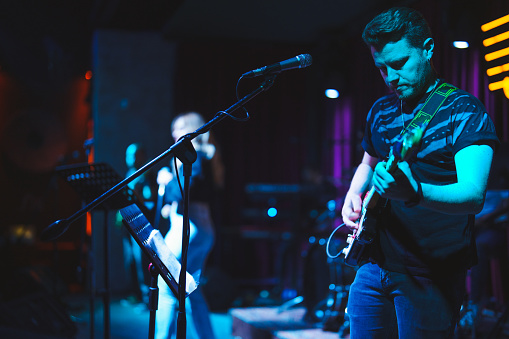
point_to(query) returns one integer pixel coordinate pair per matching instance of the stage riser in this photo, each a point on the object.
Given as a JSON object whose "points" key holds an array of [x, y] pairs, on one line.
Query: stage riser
{"points": [[274, 323]]}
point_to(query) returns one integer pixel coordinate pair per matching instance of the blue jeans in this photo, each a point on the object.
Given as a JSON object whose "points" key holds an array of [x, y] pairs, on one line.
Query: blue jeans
{"points": [[385, 304]]}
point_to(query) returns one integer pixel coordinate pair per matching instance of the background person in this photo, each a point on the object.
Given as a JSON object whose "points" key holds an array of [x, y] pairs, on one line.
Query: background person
{"points": [[205, 178]]}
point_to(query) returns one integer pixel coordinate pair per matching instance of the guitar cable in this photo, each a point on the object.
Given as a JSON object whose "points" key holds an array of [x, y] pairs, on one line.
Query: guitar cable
{"points": [[328, 243]]}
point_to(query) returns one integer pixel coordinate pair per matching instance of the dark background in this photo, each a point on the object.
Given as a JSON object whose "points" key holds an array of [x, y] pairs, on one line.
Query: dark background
{"points": [[153, 59]]}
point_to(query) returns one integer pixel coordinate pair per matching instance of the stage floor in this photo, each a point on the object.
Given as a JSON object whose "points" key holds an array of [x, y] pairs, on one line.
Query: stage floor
{"points": [[130, 320]]}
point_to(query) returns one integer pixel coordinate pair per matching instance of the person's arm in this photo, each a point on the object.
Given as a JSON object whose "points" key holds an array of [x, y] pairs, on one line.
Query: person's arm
{"points": [[473, 164], [466, 196], [360, 184]]}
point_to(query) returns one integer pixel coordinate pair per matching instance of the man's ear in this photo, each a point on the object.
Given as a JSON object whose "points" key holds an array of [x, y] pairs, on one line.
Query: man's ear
{"points": [[429, 45]]}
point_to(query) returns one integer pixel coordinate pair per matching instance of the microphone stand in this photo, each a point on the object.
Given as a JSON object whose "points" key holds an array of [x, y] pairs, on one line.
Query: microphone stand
{"points": [[184, 151], [181, 319]]}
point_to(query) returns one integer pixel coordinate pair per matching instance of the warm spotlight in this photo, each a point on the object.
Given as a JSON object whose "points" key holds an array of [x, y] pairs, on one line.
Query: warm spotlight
{"points": [[88, 75]]}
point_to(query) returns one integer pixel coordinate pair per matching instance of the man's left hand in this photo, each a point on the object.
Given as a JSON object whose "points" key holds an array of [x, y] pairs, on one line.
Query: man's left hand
{"points": [[400, 185]]}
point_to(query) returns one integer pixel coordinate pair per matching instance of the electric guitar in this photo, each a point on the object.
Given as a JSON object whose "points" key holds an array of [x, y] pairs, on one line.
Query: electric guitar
{"points": [[358, 241]]}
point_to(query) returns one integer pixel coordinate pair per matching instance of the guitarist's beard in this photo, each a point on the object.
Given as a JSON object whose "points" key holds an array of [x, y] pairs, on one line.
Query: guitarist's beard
{"points": [[412, 93]]}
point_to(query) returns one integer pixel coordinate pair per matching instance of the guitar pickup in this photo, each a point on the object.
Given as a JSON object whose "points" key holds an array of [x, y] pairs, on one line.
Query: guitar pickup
{"points": [[365, 237]]}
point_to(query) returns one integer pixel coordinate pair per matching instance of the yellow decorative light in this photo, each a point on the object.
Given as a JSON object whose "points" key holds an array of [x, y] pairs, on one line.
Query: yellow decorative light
{"points": [[497, 70], [495, 39], [504, 84], [495, 23], [497, 54]]}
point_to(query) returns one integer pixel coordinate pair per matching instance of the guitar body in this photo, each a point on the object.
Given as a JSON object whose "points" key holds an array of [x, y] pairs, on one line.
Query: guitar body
{"points": [[366, 232], [356, 250], [364, 236]]}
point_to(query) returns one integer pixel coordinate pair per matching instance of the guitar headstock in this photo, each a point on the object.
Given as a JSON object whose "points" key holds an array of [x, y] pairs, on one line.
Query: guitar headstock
{"points": [[407, 143]]}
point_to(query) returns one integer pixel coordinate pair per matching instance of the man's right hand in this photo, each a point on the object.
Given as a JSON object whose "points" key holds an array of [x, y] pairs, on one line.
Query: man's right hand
{"points": [[351, 211]]}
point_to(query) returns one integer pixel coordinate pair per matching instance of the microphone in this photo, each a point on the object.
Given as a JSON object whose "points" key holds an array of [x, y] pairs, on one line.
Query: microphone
{"points": [[300, 61]]}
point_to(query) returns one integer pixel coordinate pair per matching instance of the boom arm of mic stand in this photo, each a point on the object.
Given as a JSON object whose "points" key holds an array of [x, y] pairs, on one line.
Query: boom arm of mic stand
{"points": [[269, 81], [59, 227]]}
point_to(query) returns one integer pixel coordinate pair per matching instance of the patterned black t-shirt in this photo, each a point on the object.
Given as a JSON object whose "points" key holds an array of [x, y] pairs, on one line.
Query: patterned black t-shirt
{"points": [[418, 240]]}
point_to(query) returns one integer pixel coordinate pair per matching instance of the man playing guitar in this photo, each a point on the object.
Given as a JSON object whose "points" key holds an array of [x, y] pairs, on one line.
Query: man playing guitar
{"points": [[411, 277]]}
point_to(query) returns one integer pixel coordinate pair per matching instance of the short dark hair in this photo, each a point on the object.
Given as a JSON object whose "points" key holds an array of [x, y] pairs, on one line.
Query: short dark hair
{"points": [[395, 24]]}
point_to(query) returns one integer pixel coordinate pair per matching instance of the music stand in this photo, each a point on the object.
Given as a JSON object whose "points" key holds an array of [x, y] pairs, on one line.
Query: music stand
{"points": [[90, 181], [152, 243]]}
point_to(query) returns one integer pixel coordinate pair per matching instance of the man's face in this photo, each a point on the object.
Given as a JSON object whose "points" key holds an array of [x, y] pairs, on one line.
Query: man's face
{"points": [[180, 128], [404, 68]]}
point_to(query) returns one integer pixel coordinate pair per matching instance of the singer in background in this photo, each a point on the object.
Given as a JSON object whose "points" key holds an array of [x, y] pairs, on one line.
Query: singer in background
{"points": [[206, 177], [411, 279]]}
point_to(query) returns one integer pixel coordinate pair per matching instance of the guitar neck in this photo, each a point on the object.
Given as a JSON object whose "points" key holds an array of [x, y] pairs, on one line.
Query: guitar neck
{"points": [[392, 163], [370, 199]]}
